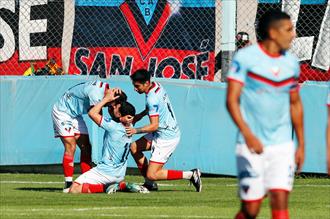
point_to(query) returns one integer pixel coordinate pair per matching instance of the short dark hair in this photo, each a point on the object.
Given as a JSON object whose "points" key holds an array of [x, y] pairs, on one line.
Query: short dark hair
{"points": [[127, 109], [122, 97], [141, 75], [267, 20]]}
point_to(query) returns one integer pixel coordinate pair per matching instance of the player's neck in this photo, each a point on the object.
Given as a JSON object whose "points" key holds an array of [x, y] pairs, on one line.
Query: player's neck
{"points": [[270, 48]]}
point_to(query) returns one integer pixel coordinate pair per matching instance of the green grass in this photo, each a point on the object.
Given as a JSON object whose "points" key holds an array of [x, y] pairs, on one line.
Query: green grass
{"points": [[22, 196]]}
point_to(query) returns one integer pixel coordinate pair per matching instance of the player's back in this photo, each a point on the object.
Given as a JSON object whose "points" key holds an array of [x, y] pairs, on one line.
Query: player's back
{"points": [[265, 99], [116, 146], [79, 98], [159, 105]]}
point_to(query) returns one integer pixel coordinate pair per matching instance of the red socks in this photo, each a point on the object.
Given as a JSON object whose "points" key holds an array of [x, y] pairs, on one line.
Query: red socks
{"points": [[174, 174], [92, 188], [85, 163], [240, 215], [67, 164], [280, 214]]}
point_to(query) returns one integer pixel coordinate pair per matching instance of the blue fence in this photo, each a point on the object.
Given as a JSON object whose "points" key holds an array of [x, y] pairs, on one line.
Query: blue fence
{"points": [[208, 134]]}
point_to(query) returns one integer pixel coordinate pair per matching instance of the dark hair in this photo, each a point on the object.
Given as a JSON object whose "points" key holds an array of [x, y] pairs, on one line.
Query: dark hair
{"points": [[122, 97], [127, 109], [267, 20], [141, 75]]}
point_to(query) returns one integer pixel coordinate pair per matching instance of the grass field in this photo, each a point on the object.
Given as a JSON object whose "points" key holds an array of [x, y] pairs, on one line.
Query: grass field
{"points": [[40, 196]]}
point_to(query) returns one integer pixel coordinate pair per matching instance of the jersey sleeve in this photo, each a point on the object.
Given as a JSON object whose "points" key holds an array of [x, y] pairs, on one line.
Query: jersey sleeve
{"points": [[238, 69], [296, 69], [107, 123], [153, 106], [95, 94]]}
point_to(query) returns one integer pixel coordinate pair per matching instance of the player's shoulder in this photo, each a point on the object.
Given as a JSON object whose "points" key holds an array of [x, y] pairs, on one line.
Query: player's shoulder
{"points": [[291, 56], [246, 53]]}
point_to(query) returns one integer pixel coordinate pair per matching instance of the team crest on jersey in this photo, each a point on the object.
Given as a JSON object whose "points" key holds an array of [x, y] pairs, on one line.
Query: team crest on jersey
{"points": [[275, 71], [245, 188], [235, 66]]}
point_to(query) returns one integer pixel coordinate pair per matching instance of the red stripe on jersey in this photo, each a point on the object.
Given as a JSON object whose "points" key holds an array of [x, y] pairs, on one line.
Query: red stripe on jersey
{"points": [[153, 84], [156, 162], [156, 115], [157, 89], [101, 84], [271, 82], [276, 55], [99, 123]]}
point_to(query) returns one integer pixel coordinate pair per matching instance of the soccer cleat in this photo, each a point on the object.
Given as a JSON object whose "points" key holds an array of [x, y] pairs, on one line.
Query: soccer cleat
{"points": [[67, 186], [151, 186], [196, 179], [132, 187], [112, 188]]}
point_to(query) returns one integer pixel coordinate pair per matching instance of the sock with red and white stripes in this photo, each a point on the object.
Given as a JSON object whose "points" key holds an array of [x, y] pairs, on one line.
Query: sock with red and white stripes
{"points": [[85, 163], [68, 167], [92, 188], [280, 214], [174, 174]]}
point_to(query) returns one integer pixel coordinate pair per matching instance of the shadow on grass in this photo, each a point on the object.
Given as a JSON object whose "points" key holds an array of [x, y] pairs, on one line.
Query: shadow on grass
{"points": [[38, 189]]}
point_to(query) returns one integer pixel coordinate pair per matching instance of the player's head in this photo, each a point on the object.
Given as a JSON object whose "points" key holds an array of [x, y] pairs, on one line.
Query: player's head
{"points": [[141, 80], [276, 26], [114, 106], [127, 112]]}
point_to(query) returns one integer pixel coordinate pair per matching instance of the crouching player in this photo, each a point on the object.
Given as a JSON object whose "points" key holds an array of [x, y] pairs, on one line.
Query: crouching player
{"points": [[116, 146]]}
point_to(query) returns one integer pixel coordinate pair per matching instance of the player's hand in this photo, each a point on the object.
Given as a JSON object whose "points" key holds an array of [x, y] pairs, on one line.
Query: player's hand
{"points": [[299, 157], [130, 131], [127, 119], [117, 90], [110, 95], [254, 144]]}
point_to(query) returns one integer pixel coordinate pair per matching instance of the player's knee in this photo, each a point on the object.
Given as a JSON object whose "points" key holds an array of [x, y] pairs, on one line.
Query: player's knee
{"points": [[75, 188], [151, 175], [133, 148]]}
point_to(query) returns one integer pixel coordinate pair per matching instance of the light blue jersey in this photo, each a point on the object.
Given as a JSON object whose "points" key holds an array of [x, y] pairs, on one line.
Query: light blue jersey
{"points": [[116, 145], [265, 98], [77, 100], [159, 104]]}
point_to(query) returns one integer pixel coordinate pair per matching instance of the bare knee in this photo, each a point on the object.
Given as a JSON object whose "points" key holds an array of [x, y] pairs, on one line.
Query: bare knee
{"points": [[151, 175], [75, 188], [251, 210]]}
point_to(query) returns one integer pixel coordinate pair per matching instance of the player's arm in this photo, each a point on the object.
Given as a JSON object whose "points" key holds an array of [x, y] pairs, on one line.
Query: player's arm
{"points": [[296, 110], [233, 105], [152, 127], [139, 116], [94, 112]]}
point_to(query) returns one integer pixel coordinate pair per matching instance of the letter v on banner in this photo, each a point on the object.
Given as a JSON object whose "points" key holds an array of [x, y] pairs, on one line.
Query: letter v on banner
{"points": [[145, 47]]}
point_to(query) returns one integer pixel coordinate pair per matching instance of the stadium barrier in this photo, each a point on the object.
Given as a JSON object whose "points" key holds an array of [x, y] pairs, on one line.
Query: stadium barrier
{"points": [[208, 134]]}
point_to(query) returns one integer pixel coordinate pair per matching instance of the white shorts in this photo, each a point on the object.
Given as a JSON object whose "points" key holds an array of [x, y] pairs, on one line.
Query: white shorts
{"points": [[260, 173], [161, 150], [67, 126], [95, 177]]}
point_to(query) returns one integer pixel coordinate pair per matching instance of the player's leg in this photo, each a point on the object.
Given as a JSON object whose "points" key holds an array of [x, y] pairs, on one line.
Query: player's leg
{"points": [[85, 152], [251, 181], [64, 128], [68, 160], [279, 204], [93, 181], [137, 148], [84, 144], [279, 178], [161, 150]]}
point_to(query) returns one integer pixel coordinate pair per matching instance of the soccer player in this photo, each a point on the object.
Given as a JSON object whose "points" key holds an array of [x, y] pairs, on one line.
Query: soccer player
{"points": [[163, 135], [264, 102], [71, 128], [116, 146]]}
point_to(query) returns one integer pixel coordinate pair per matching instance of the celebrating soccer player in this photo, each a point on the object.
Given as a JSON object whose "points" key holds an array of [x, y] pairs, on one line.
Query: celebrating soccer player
{"points": [[264, 102], [71, 128], [163, 135]]}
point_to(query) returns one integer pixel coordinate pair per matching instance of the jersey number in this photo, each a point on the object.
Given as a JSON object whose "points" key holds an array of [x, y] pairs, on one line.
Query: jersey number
{"points": [[126, 152]]}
